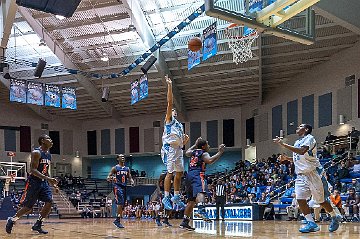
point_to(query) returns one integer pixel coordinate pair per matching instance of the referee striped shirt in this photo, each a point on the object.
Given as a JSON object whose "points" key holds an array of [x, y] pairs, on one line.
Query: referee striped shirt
{"points": [[220, 190]]}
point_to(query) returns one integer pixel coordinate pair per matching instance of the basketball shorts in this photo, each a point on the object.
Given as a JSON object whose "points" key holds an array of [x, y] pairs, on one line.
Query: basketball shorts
{"points": [[120, 195], [195, 183], [172, 158], [312, 184], [35, 189]]}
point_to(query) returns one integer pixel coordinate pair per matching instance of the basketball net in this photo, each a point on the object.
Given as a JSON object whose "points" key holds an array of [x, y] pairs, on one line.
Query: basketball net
{"points": [[239, 43], [12, 177]]}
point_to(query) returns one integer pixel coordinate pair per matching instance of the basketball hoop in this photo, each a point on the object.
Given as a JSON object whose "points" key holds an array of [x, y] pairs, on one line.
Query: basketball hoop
{"points": [[13, 178], [240, 42]]}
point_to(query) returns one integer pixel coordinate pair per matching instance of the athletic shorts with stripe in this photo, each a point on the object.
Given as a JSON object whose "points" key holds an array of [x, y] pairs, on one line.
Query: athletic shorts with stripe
{"points": [[35, 189], [172, 158], [195, 183], [313, 184], [120, 195]]}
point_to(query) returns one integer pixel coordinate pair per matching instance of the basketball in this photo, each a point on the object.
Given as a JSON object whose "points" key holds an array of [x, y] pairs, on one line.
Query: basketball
{"points": [[195, 44]]}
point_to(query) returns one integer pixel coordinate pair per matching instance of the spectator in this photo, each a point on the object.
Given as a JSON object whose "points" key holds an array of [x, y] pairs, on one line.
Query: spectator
{"points": [[343, 172], [336, 200], [289, 191], [108, 207], [269, 208], [293, 209], [102, 207], [352, 205], [353, 138], [330, 138], [355, 184]]}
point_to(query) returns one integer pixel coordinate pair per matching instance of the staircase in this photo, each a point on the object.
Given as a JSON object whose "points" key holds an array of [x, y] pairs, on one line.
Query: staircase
{"points": [[64, 206]]}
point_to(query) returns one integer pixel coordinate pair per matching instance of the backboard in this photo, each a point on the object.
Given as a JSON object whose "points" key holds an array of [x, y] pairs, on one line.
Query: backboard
{"points": [[12, 170], [290, 19]]}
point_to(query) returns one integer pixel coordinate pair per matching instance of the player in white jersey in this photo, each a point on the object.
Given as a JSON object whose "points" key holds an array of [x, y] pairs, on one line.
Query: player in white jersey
{"points": [[173, 140], [310, 179]]}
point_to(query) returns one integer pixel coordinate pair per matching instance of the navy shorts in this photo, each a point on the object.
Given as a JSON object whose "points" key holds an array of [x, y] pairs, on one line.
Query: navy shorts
{"points": [[195, 183], [120, 195], [35, 189]]}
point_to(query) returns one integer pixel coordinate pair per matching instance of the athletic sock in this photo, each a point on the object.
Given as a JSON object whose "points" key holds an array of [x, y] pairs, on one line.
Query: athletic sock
{"points": [[167, 194], [309, 218], [14, 218], [41, 219], [176, 193]]}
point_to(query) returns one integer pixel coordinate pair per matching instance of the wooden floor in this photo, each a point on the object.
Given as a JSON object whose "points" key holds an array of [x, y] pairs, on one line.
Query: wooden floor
{"points": [[134, 229]]}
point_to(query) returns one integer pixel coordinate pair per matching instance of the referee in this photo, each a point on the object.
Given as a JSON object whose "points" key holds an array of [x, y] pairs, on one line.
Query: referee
{"points": [[220, 196]]}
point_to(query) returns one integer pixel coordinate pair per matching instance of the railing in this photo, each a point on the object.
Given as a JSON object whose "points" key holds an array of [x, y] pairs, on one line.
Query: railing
{"points": [[64, 198], [144, 181]]}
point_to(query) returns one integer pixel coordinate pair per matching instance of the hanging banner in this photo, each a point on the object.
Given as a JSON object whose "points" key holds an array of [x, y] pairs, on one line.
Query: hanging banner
{"points": [[134, 91], [52, 96], [144, 88], [210, 41], [193, 59], [35, 93], [18, 90], [68, 98]]}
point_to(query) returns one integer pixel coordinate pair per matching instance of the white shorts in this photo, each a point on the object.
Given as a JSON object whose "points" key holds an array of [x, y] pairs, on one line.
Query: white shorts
{"points": [[312, 184], [172, 158]]}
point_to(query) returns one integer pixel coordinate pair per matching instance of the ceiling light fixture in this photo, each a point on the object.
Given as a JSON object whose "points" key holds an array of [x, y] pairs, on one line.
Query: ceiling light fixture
{"points": [[60, 17]]}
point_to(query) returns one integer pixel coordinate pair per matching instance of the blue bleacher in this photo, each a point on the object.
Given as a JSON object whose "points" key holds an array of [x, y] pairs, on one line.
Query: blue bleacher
{"points": [[286, 200]]}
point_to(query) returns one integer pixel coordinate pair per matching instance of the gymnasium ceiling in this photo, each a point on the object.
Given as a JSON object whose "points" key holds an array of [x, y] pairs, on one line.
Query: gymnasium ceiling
{"points": [[102, 26]]}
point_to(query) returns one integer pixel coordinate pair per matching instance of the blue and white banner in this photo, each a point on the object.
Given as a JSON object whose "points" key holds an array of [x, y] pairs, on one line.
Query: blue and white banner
{"points": [[231, 212], [254, 6], [193, 59], [144, 88], [134, 91], [210, 41], [35, 93], [52, 96], [18, 91], [69, 98]]}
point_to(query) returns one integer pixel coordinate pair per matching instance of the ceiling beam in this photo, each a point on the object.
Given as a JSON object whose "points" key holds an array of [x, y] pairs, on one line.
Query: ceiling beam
{"points": [[148, 38], [83, 81], [8, 9], [344, 13]]}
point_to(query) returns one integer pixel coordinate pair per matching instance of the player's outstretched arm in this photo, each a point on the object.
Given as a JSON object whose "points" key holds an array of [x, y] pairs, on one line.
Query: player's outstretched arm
{"points": [[169, 100], [35, 160], [214, 158], [110, 175], [300, 151]]}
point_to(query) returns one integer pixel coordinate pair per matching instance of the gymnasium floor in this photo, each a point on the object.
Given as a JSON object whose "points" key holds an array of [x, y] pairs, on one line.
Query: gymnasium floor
{"points": [[103, 228]]}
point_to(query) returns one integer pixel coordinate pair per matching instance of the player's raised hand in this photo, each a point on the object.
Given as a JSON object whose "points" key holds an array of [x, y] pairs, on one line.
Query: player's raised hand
{"points": [[168, 80], [277, 140], [221, 148]]}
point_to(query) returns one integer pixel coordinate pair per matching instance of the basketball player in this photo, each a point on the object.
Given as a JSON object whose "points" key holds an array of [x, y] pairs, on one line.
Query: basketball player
{"points": [[196, 186], [173, 140], [37, 186], [119, 175], [310, 179]]}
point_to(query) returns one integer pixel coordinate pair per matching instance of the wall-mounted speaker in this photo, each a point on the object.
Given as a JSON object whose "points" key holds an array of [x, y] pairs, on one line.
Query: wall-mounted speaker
{"points": [[40, 68], [148, 64], [105, 94]]}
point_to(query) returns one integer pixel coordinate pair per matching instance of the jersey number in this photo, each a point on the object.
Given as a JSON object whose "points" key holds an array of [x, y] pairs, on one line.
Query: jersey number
{"points": [[193, 161], [44, 171], [123, 179]]}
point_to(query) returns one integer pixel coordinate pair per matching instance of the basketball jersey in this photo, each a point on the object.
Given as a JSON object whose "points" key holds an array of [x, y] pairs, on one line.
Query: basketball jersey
{"points": [[307, 162], [196, 161], [122, 174], [44, 162], [173, 133]]}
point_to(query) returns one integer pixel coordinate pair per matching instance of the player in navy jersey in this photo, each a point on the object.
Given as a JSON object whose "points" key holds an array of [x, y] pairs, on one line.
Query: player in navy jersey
{"points": [[119, 175], [37, 186], [196, 186]]}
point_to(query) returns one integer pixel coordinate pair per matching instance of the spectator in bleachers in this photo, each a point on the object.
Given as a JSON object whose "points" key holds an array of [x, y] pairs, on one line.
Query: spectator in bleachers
{"points": [[269, 209], [330, 138], [354, 134], [355, 184], [293, 209], [343, 172], [289, 191], [352, 205], [336, 200]]}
